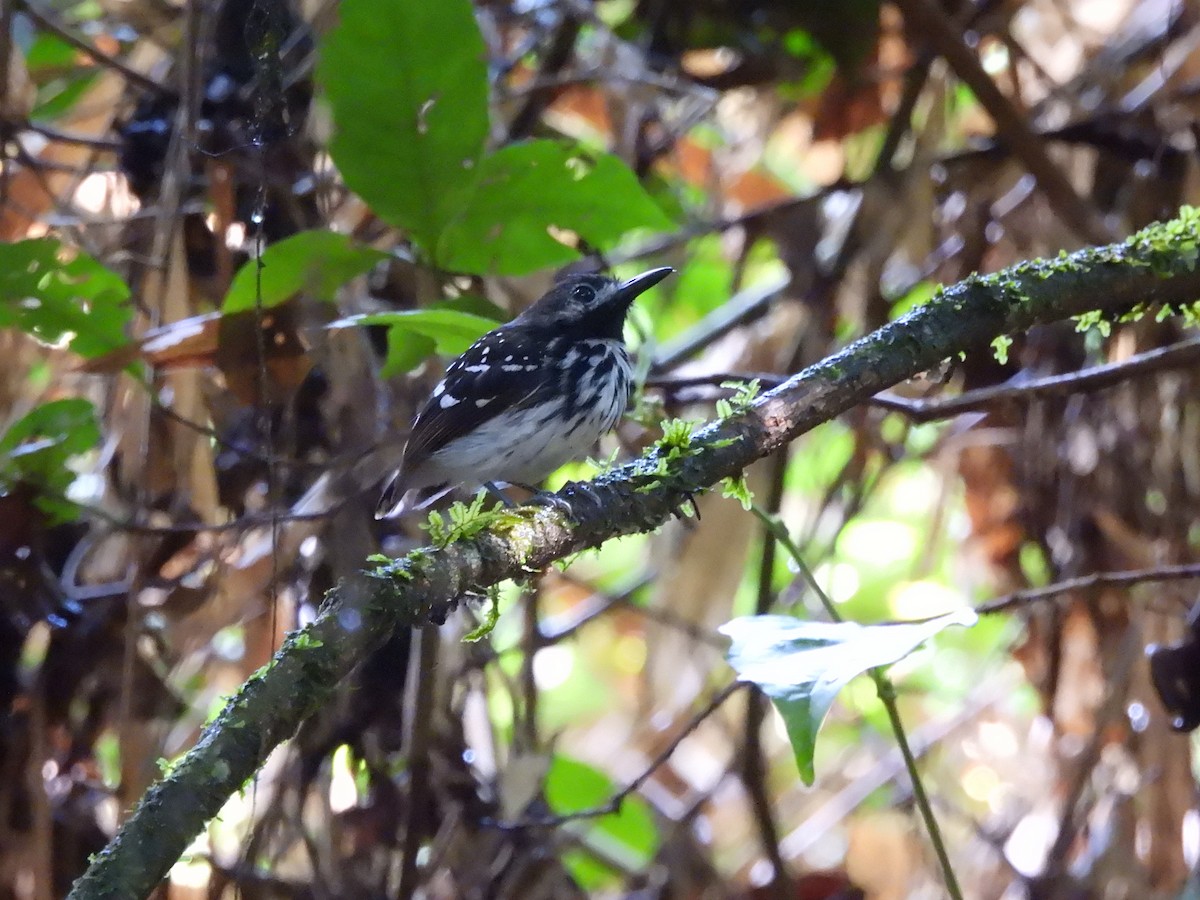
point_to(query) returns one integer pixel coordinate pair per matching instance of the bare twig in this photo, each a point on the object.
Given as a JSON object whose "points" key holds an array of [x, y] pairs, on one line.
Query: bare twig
{"points": [[49, 21], [743, 307], [70, 137], [1096, 378], [1117, 684], [424, 676], [557, 55], [561, 626], [754, 769], [614, 803], [1126, 578], [526, 731], [6, 47], [924, 17]]}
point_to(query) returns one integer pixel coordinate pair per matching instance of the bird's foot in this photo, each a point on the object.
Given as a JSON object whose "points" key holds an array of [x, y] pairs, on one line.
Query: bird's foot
{"points": [[573, 490], [550, 499], [585, 490]]}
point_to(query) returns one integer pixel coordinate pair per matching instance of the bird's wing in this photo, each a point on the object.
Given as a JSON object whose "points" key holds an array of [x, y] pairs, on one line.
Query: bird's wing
{"points": [[502, 370]]}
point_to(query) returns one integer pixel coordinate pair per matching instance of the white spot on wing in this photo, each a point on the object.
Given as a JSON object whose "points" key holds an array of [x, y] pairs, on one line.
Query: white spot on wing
{"points": [[441, 386], [483, 401], [449, 401], [478, 368]]}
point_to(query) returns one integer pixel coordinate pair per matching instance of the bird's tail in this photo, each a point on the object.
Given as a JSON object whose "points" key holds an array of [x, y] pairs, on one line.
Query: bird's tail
{"points": [[335, 487], [398, 498]]}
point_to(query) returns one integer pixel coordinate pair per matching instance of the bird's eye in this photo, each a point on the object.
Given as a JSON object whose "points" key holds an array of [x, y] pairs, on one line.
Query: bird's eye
{"points": [[583, 293]]}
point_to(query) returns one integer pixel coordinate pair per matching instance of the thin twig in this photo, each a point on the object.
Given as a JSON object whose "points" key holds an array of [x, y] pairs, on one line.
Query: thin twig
{"points": [[525, 736], [924, 17], [424, 673], [1096, 378], [887, 696], [1083, 765], [754, 769], [742, 307], [70, 137], [49, 21], [556, 628], [617, 799], [884, 769], [1125, 578], [557, 55], [6, 48], [563, 625]]}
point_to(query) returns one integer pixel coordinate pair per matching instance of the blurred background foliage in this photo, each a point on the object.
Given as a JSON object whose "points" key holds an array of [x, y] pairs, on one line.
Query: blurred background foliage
{"points": [[241, 237]]}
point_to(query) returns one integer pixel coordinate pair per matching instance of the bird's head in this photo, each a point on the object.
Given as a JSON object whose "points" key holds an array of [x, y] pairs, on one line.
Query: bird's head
{"points": [[589, 306]]}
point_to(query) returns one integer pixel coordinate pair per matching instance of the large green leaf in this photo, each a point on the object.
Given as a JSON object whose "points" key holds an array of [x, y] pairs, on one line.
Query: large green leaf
{"points": [[407, 82], [54, 67], [415, 334], [526, 189], [628, 836], [35, 449], [316, 262], [57, 293], [802, 665]]}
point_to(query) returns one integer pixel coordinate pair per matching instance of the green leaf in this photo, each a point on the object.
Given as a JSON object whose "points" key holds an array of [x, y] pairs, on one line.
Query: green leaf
{"points": [[628, 836], [526, 189], [488, 624], [1000, 347], [405, 351], [415, 334], [316, 262], [62, 76], [35, 449], [454, 331], [49, 52], [474, 304], [407, 83], [56, 293], [59, 97], [802, 665]]}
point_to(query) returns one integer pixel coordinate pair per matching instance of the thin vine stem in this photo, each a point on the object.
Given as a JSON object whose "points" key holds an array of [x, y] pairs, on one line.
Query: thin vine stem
{"points": [[887, 696]]}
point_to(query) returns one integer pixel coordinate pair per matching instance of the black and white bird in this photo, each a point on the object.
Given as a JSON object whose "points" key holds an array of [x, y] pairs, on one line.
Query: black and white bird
{"points": [[527, 397]]}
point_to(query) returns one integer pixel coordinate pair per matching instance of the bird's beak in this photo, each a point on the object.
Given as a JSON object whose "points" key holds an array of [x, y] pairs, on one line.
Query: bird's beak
{"points": [[639, 284]]}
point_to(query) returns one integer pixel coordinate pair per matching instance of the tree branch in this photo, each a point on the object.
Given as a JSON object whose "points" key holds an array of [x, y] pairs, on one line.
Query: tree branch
{"points": [[1156, 265]]}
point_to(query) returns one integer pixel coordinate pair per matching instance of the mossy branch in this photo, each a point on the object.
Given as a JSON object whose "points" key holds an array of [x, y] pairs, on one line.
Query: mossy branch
{"points": [[1156, 266]]}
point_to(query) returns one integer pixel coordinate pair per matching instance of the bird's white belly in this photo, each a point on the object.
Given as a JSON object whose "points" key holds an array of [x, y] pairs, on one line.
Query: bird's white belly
{"points": [[526, 445]]}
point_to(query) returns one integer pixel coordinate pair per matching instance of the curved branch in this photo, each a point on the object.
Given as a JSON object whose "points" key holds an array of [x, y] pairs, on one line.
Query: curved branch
{"points": [[1156, 265]]}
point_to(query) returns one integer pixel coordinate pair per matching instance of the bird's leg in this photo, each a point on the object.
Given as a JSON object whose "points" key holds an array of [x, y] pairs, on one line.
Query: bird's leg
{"points": [[494, 489], [689, 499]]}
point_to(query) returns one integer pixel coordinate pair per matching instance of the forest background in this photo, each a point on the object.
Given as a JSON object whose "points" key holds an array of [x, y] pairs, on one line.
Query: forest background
{"points": [[242, 239]]}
